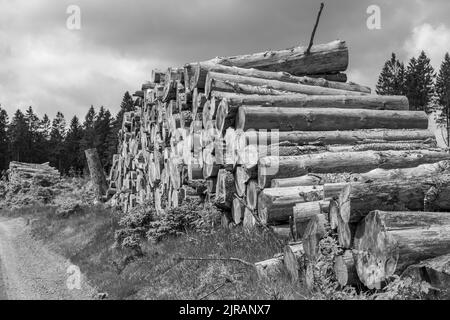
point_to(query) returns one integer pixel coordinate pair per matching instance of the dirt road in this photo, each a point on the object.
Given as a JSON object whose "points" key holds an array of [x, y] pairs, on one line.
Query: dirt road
{"points": [[30, 271]]}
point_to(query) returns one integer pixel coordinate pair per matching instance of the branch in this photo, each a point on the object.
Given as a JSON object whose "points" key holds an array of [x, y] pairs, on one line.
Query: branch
{"points": [[315, 28], [221, 259]]}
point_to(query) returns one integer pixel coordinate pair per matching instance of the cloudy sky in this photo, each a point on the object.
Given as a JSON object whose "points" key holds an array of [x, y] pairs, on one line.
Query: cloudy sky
{"points": [[53, 68]]}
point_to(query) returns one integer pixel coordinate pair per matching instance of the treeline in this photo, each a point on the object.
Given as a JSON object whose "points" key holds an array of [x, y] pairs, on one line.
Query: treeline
{"points": [[27, 138]]}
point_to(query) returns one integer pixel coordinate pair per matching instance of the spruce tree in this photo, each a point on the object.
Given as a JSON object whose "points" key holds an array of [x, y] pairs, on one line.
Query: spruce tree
{"points": [[443, 95], [420, 82], [392, 78], [18, 137]]}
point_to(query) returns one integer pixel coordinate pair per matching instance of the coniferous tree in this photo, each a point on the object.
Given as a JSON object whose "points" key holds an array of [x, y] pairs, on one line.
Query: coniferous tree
{"points": [[419, 82], [443, 95], [4, 154], [392, 78]]}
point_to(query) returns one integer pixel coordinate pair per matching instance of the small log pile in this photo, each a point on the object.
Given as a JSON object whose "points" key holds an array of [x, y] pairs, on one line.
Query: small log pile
{"points": [[32, 173]]}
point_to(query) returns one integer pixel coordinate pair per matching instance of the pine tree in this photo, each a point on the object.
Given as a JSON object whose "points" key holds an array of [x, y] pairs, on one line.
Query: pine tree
{"points": [[443, 95], [420, 82], [18, 137], [4, 154], [103, 127], [392, 78]]}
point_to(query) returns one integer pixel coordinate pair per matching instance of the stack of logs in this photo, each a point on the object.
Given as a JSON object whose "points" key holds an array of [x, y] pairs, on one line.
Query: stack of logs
{"points": [[276, 135], [32, 173]]}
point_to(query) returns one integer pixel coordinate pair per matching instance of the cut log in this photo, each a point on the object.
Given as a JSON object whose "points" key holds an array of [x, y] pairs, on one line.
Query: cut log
{"points": [[291, 119], [314, 232], [202, 69], [230, 83], [275, 205], [388, 242], [271, 269], [97, 174], [238, 211], [306, 180], [323, 58], [345, 269], [241, 178], [291, 263], [339, 77], [225, 189], [283, 167], [249, 222], [303, 213], [341, 137]]}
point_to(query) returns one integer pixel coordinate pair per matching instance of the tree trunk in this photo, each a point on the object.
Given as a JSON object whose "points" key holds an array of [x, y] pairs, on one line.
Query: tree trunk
{"points": [[314, 232], [275, 205], [97, 174], [202, 69], [271, 269], [283, 167], [293, 119], [306, 180], [323, 58], [225, 189], [303, 212], [388, 242], [230, 83]]}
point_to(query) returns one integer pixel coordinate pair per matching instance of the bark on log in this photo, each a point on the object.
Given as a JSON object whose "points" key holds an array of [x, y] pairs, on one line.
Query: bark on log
{"points": [[323, 58], [97, 174], [388, 242], [283, 167], [303, 213], [306, 180], [341, 137], [241, 178], [252, 194], [227, 82], [293, 119], [201, 70], [275, 205], [314, 232]]}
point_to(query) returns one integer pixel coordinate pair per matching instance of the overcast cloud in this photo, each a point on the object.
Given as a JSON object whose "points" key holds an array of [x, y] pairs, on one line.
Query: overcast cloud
{"points": [[52, 68]]}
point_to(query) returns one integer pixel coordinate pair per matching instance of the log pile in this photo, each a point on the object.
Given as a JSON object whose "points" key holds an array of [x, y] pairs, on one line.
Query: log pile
{"points": [[32, 173], [276, 137]]}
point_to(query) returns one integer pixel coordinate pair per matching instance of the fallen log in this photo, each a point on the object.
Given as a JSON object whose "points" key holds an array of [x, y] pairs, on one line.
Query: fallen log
{"points": [[318, 119], [338, 77], [388, 242], [252, 194], [238, 211], [227, 82], [331, 57], [304, 212], [275, 205], [283, 167], [201, 70]]}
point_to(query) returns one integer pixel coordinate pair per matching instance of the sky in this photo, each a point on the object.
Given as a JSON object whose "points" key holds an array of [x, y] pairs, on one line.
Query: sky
{"points": [[51, 67]]}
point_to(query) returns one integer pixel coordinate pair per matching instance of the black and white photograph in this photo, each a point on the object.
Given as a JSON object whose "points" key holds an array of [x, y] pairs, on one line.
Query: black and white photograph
{"points": [[223, 155]]}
